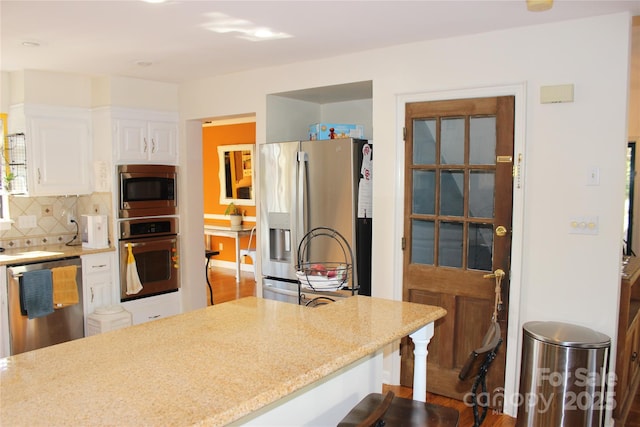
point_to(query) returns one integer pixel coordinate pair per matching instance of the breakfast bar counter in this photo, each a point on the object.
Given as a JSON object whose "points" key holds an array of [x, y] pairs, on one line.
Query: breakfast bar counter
{"points": [[214, 366]]}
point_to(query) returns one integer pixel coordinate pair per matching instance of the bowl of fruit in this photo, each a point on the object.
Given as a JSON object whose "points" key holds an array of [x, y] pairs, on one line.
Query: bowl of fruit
{"points": [[323, 276]]}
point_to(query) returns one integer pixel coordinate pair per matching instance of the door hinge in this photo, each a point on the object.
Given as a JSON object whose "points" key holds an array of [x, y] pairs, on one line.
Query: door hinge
{"points": [[404, 133], [403, 243]]}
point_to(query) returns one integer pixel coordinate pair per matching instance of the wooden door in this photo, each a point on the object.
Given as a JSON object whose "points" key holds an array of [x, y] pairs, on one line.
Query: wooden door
{"points": [[457, 229]]}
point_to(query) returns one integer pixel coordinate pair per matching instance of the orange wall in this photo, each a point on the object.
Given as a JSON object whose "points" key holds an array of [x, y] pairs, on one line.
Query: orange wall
{"points": [[212, 137]]}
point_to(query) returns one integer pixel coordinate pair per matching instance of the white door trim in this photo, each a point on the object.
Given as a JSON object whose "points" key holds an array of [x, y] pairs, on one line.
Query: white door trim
{"points": [[513, 338]]}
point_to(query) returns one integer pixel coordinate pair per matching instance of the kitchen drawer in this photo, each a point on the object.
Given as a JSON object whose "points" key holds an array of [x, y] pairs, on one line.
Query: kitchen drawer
{"points": [[97, 263], [153, 308]]}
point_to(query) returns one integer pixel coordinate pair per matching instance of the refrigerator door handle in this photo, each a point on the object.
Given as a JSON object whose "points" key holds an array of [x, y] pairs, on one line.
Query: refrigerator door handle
{"points": [[302, 194]]}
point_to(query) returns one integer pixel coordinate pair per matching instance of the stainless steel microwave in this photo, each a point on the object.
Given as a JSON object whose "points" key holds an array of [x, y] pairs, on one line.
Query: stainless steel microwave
{"points": [[147, 190]]}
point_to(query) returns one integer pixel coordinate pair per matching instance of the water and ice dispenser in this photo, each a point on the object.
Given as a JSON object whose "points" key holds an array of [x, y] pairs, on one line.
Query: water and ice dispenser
{"points": [[279, 237]]}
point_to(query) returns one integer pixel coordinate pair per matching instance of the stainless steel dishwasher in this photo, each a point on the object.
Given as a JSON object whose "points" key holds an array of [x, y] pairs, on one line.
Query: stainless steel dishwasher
{"points": [[64, 324]]}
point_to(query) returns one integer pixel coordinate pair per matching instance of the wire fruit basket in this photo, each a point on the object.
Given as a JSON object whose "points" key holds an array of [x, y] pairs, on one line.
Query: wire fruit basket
{"points": [[326, 275]]}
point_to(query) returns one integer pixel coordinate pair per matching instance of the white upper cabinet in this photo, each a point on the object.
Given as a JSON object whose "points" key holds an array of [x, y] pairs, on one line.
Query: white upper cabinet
{"points": [[58, 145], [146, 141]]}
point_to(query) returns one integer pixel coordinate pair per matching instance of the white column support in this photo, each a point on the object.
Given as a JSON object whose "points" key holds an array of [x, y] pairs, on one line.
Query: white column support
{"points": [[421, 339]]}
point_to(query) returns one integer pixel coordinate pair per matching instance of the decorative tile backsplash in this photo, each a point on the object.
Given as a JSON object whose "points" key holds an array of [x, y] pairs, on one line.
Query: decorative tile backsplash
{"points": [[51, 214]]}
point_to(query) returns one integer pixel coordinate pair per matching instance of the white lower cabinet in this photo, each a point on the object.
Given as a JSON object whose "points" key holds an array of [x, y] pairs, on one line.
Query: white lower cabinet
{"points": [[99, 285], [154, 308]]}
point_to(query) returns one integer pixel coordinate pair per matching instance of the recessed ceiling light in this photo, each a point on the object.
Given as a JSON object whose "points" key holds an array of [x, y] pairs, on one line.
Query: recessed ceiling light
{"points": [[154, 1], [144, 63], [30, 43]]}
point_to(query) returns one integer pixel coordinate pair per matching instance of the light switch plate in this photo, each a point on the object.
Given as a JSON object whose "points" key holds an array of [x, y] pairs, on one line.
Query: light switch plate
{"points": [[593, 176]]}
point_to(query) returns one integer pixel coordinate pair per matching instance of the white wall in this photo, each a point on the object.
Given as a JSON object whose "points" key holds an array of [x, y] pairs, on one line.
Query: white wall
{"points": [[134, 93], [50, 88], [5, 92], [564, 277]]}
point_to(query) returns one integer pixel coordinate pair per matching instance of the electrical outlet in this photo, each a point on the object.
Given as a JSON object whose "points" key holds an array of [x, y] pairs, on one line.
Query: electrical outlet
{"points": [[220, 246], [71, 218]]}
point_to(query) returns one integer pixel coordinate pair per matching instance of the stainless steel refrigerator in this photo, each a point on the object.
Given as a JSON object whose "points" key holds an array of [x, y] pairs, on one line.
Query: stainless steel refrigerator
{"points": [[309, 184]]}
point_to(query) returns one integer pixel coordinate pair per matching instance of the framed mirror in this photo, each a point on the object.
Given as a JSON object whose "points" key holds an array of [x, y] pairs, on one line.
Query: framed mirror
{"points": [[236, 174]]}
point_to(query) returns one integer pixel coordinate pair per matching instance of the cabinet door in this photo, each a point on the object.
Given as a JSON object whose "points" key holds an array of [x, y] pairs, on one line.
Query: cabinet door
{"points": [[98, 288], [633, 341], [132, 145], [61, 153], [98, 282], [163, 147]]}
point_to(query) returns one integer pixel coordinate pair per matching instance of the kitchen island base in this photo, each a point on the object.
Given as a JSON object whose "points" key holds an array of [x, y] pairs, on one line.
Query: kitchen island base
{"points": [[325, 402]]}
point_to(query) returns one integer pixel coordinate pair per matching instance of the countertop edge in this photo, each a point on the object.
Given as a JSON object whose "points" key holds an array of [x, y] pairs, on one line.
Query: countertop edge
{"points": [[36, 254]]}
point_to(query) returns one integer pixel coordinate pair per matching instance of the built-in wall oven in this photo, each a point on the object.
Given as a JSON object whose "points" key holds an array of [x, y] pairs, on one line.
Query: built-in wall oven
{"points": [[147, 190], [154, 245]]}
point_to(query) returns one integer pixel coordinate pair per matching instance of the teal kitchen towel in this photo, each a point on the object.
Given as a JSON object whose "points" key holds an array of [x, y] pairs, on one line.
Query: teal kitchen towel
{"points": [[37, 293]]}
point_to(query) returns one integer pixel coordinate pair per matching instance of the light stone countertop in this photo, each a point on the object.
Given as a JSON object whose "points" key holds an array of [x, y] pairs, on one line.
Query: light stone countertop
{"points": [[207, 367], [46, 253]]}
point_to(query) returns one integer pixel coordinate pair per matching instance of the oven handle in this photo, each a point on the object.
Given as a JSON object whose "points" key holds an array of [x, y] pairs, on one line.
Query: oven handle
{"points": [[140, 243], [134, 244]]}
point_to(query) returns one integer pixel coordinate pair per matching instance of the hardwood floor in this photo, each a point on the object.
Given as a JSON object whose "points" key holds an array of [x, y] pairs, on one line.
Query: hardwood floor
{"points": [[466, 412], [225, 288]]}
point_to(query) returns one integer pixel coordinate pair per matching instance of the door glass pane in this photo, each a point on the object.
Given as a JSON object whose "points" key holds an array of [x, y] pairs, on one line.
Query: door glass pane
{"points": [[422, 235], [482, 141], [424, 193], [452, 141], [424, 142], [481, 193], [452, 193], [480, 247], [450, 244]]}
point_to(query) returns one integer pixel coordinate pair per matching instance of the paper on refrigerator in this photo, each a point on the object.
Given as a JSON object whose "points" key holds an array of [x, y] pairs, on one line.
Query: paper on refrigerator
{"points": [[365, 186]]}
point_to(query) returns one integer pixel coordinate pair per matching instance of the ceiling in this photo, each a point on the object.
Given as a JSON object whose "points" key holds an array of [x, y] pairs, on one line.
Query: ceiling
{"points": [[173, 42]]}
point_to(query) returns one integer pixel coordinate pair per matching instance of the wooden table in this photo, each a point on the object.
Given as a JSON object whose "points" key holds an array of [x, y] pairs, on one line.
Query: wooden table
{"points": [[250, 361], [227, 231]]}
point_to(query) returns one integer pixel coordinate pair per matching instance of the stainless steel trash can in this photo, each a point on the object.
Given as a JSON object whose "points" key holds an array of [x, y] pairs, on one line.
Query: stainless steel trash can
{"points": [[563, 376]]}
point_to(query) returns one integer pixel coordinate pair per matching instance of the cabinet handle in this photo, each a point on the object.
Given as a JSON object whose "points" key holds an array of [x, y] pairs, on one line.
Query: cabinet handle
{"points": [[38, 170], [153, 146], [91, 293], [99, 266], [145, 145], [634, 356], [154, 317]]}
